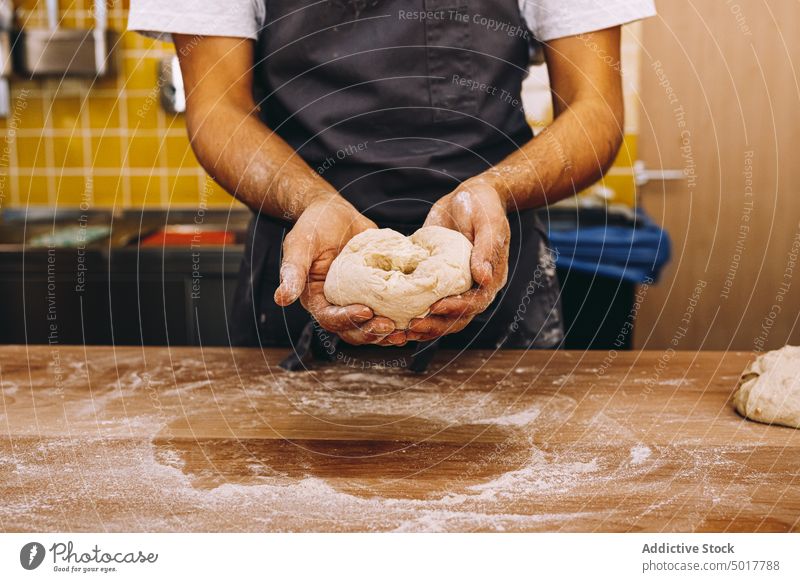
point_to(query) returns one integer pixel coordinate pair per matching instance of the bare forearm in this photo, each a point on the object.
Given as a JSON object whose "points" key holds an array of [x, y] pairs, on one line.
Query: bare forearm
{"points": [[231, 142], [253, 163], [572, 153], [580, 145]]}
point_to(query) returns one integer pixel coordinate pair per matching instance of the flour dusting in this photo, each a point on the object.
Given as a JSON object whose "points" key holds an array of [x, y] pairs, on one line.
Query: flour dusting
{"points": [[522, 418], [639, 454], [486, 453]]}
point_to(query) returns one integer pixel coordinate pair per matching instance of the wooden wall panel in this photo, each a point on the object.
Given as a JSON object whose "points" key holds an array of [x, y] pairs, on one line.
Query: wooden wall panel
{"points": [[724, 106]]}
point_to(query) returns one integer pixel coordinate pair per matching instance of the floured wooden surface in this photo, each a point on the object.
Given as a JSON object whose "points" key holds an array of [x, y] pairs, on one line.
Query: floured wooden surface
{"points": [[218, 440]]}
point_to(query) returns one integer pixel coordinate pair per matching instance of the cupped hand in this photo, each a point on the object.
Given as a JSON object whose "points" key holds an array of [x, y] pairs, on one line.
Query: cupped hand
{"points": [[316, 239], [477, 211]]}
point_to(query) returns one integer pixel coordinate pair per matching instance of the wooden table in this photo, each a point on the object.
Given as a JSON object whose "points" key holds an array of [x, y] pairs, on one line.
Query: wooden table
{"points": [[165, 439]]}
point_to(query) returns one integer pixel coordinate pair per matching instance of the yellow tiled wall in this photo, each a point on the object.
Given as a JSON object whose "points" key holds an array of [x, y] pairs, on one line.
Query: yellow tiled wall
{"points": [[108, 143], [103, 143]]}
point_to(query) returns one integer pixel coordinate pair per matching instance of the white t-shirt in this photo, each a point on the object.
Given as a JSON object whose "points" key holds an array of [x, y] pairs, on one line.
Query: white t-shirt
{"points": [[546, 19]]}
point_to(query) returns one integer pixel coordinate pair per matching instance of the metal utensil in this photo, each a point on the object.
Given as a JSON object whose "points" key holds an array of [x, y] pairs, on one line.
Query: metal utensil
{"points": [[6, 20], [66, 51], [170, 80]]}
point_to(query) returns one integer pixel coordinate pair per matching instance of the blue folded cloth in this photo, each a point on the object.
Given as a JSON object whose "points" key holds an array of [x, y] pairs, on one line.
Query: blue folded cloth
{"points": [[635, 253]]}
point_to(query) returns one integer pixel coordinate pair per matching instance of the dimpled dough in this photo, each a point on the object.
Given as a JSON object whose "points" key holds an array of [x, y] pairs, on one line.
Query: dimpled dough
{"points": [[400, 277], [769, 390]]}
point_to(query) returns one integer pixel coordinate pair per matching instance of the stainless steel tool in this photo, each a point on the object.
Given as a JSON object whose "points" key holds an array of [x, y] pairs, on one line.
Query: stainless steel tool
{"points": [[173, 98], [6, 20], [56, 51]]}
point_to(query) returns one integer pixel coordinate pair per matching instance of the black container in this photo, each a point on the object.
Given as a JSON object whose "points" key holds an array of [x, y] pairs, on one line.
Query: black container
{"points": [[596, 311], [113, 291]]}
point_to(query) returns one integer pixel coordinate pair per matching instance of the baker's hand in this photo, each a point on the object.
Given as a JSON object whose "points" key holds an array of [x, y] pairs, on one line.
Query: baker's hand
{"points": [[477, 211], [314, 242]]}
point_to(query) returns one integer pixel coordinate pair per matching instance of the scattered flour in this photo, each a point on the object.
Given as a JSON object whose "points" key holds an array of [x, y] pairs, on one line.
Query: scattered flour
{"points": [[521, 418], [159, 496], [108, 483], [639, 454], [537, 477], [360, 378], [664, 381]]}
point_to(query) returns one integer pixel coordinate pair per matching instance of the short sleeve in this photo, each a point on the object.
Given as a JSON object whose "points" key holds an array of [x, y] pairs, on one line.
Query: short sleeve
{"points": [[550, 19], [159, 19]]}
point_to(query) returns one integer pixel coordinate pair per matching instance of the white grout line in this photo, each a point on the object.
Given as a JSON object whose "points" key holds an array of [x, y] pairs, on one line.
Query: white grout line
{"points": [[74, 90], [95, 132], [166, 195], [124, 143], [13, 162], [49, 149], [154, 171], [87, 142]]}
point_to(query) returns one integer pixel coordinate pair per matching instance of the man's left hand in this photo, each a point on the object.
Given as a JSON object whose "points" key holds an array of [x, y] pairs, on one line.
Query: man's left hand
{"points": [[476, 210]]}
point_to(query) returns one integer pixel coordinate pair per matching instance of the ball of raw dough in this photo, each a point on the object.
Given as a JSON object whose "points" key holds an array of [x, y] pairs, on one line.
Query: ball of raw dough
{"points": [[769, 390], [400, 277]]}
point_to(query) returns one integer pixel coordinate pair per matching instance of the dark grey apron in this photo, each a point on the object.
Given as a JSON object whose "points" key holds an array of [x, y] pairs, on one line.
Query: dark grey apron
{"points": [[395, 103]]}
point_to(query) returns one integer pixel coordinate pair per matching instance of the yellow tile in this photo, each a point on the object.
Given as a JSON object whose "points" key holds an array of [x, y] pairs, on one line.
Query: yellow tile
{"points": [[119, 23], [133, 41], [61, 109], [140, 72], [30, 151], [140, 42], [68, 152], [624, 187], [216, 196], [69, 20], [145, 191], [175, 121], [628, 152], [29, 111], [65, 113], [68, 13], [143, 152], [5, 153], [107, 190], [110, 81], [104, 112], [88, 188], [42, 165], [143, 111], [179, 152], [70, 190], [5, 190], [33, 190], [183, 190], [106, 152]]}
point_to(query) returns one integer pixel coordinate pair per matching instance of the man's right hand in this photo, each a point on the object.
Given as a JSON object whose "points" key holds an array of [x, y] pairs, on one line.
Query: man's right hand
{"points": [[317, 238]]}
